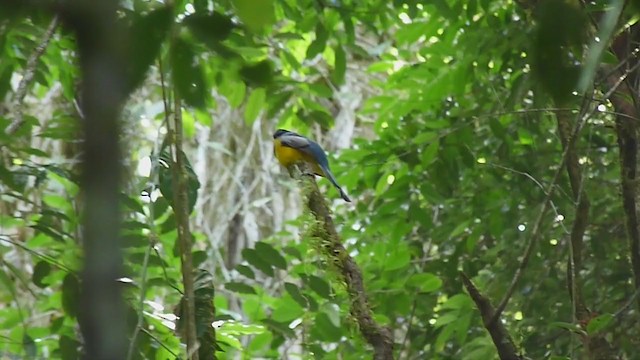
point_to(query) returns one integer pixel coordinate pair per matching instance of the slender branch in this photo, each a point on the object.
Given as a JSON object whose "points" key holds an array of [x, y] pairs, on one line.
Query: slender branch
{"points": [[501, 339], [28, 76], [409, 326], [184, 233], [151, 336], [376, 335], [581, 220]]}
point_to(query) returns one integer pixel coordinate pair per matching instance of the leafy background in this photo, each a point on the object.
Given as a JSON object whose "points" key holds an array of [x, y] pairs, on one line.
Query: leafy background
{"points": [[442, 121]]}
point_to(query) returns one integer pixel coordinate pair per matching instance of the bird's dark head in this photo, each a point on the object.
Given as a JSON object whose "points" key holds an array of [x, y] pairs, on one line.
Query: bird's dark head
{"points": [[280, 132]]}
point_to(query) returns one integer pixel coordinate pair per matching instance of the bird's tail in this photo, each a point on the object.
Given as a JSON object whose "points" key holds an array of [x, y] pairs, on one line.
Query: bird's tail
{"points": [[329, 176]]}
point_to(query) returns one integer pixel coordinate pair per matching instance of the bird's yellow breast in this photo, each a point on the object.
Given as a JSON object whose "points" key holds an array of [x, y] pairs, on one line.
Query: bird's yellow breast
{"points": [[288, 156]]}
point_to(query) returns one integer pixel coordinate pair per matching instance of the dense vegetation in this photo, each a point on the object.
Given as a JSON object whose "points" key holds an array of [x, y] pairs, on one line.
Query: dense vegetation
{"points": [[490, 148]]}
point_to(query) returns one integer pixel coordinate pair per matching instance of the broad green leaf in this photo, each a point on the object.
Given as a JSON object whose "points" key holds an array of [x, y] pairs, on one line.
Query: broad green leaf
{"points": [[209, 27], [145, 40], [188, 124], [187, 73], [29, 346], [296, 294], [599, 323], [239, 287], [256, 14], [229, 340], [339, 65], [270, 255], [255, 260], [429, 153], [246, 271], [319, 285], [255, 104], [258, 74], [325, 329], [238, 328], [318, 44], [68, 347], [397, 259], [426, 282], [40, 271], [287, 309], [71, 295]]}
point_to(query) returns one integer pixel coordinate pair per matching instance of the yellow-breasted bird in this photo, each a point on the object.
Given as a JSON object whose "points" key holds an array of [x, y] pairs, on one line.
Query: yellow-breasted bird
{"points": [[291, 148]]}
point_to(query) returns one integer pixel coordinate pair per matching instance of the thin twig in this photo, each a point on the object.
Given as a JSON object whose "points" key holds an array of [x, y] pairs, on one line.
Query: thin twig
{"points": [[28, 76], [150, 335], [410, 323]]}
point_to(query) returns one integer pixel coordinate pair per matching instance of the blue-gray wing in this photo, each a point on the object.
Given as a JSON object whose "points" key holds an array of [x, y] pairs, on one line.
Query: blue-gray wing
{"points": [[307, 146], [295, 141]]}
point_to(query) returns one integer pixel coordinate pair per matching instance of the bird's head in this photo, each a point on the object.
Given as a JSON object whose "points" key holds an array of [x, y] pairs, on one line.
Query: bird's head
{"points": [[280, 132]]}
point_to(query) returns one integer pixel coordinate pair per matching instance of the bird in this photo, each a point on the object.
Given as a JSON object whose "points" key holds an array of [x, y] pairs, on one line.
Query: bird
{"points": [[290, 148]]}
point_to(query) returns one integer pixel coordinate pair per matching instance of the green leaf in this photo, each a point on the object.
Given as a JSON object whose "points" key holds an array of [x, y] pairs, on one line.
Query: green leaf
{"points": [[40, 271], [228, 340], [296, 294], [258, 74], [339, 65], [325, 329], [246, 271], [397, 259], [255, 104], [270, 255], [253, 258], [146, 36], [29, 346], [209, 28], [279, 327], [425, 282], [318, 44], [429, 154], [256, 14], [187, 73], [238, 328], [239, 287], [319, 285], [70, 295], [68, 348], [598, 323]]}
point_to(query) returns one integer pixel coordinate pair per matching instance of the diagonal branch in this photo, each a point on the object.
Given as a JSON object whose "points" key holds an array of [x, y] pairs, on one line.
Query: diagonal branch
{"points": [[28, 76], [376, 335], [501, 339]]}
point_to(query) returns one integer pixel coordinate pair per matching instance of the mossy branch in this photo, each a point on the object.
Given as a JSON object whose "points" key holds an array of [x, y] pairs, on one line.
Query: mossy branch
{"points": [[378, 336]]}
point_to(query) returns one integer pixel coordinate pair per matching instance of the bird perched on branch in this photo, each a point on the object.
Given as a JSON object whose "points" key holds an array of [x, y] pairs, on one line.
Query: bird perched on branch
{"points": [[291, 148]]}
